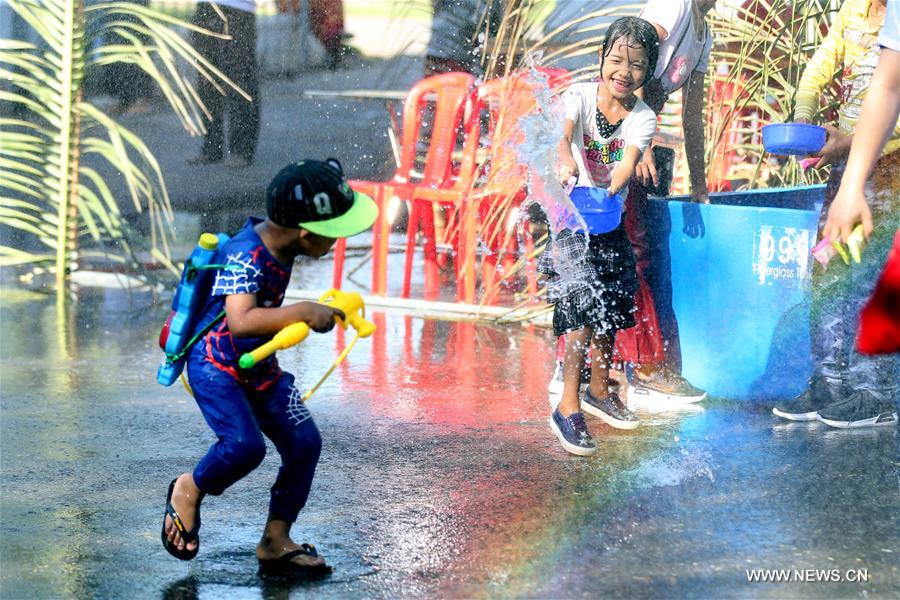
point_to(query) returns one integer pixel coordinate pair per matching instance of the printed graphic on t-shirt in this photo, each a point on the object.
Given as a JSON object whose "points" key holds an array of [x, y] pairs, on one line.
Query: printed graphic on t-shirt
{"points": [[677, 72], [240, 276], [855, 78], [600, 157], [252, 273], [605, 153]]}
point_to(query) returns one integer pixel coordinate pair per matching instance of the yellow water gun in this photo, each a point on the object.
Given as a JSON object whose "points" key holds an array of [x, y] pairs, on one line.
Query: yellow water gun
{"points": [[354, 309]]}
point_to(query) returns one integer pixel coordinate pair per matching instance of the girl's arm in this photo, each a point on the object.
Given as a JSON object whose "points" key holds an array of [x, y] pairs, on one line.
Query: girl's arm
{"points": [[567, 168], [246, 319], [692, 123], [625, 169]]}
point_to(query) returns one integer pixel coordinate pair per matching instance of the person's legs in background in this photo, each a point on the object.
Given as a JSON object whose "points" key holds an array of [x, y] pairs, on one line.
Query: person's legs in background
{"points": [[241, 66], [652, 362], [864, 390], [211, 49], [847, 389], [327, 20], [127, 82]]}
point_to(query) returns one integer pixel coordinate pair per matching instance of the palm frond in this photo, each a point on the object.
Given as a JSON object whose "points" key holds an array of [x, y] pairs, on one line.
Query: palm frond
{"points": [[47, 194]]}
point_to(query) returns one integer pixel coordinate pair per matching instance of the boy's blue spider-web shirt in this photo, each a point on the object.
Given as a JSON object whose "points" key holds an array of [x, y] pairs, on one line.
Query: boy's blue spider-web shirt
{"points": [[251, 269]]}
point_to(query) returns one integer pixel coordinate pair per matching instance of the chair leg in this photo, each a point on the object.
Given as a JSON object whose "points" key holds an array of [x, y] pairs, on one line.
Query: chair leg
{"points": [[380, 238], [412, 228], [337, 275], [432, 271], [465, 254]]}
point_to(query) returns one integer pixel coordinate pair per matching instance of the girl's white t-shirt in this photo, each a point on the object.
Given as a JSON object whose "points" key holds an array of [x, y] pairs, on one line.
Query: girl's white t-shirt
{"points": [[681, 53], [595, 155]]}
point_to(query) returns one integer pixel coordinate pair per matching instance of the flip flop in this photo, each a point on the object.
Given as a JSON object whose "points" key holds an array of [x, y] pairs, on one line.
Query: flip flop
{"points": [[187, 536], [284, 567]]}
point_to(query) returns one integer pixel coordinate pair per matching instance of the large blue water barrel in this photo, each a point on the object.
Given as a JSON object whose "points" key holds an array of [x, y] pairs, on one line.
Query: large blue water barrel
{"points": [[739, 290]]}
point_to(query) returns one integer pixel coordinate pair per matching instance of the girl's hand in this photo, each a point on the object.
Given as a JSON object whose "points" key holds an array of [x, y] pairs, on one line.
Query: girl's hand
{"points": [[836, 147], [646, 168], [848, 208], [568, 168]]}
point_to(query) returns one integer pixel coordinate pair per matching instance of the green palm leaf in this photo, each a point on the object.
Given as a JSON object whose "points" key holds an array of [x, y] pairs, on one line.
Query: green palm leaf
{"points": [[57, 205]]}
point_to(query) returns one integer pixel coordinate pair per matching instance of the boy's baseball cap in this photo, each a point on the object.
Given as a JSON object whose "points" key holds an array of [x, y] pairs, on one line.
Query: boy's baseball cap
{"points": [[314, 195]]}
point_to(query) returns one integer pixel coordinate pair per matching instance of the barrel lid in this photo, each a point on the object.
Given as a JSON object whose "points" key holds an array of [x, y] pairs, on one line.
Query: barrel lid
{"points": [[209, 241]]}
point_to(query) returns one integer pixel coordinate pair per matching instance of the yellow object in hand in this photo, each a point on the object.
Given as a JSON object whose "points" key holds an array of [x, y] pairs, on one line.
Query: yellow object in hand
{"points": [[289, 336], [856, 243], [841, 250], [350, 303]]}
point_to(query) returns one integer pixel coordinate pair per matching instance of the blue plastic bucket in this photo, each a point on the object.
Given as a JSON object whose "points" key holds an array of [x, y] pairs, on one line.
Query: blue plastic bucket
{"points": [[798, 139], [601, 213]]}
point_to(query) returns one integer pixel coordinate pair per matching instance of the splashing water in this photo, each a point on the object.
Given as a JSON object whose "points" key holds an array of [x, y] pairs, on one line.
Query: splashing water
{"points": [[673, 469], [542, 130]]}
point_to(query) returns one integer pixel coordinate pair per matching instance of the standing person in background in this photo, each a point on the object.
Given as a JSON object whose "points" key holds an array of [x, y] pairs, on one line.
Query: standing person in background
{"points": [[685, 43], [127, 82], [455, 45], [848, 389], [326, 18], [236, 58]]}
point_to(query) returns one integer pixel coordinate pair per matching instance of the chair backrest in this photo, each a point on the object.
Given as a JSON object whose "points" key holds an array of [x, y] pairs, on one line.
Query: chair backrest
{"points": [[449, 92], [504, 102]]}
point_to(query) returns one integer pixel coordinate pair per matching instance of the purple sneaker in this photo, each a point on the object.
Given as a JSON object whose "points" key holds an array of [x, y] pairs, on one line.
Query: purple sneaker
{"points": [[573, 433], [610, 409]]}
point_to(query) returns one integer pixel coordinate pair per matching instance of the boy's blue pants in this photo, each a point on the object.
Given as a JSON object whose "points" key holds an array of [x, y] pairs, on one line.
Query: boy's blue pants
{"points": [[240, 416]]}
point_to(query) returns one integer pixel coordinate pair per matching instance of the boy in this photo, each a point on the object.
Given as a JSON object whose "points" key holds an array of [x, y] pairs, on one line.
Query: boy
{"points": [[309, 204]]}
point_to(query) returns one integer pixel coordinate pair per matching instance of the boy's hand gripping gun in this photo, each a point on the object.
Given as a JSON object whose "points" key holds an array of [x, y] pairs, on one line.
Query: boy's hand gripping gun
{"points": [[354, 309]]}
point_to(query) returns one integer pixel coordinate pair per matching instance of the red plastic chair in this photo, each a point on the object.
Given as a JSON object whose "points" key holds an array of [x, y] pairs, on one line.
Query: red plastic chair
{"points": [[495, 188], [449, 92]]}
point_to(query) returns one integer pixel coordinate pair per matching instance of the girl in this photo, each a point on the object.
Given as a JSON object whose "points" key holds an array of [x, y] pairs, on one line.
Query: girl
{"points": [[651, 349], [607, 128]]}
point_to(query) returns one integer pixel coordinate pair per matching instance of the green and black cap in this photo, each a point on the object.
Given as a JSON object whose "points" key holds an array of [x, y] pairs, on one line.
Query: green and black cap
{"points": [[315, 195]]}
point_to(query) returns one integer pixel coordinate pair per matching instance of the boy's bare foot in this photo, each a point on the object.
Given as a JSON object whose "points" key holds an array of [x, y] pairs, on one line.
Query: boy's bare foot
{"points": [[185, 500], [276, 543]]}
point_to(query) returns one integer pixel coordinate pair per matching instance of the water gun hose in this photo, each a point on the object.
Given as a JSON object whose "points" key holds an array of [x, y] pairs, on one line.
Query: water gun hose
{"points": [[334, 365]]}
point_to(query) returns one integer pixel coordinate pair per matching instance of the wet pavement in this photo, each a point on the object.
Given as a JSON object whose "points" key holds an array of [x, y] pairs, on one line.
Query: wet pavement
{"points": [[439, 476]]}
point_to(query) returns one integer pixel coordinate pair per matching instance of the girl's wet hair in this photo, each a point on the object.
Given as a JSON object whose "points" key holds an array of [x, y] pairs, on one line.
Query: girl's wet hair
{"points": [[633, 29]]}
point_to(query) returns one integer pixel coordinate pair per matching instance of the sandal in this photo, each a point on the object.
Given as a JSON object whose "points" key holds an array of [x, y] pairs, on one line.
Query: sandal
{"points": [[187, 536], [284, 566]]}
